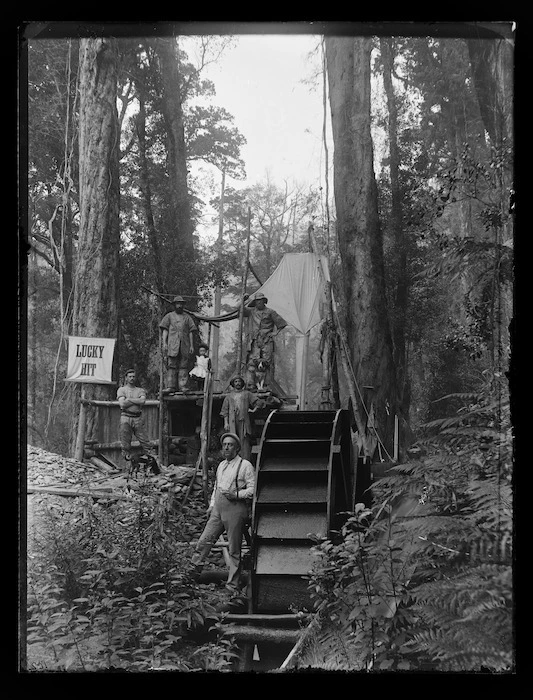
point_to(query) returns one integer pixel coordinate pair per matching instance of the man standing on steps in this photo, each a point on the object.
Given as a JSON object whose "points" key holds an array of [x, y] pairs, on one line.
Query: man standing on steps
{"points": [[131, 399], [178, 331], [236, 409], [229, 509]]}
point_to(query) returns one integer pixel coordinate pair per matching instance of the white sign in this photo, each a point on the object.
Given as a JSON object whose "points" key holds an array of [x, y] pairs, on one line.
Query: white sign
{"points": [[90, 360]]}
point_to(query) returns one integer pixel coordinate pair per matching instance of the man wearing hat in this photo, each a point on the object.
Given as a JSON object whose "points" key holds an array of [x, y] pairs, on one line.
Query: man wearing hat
{"points": [[178, 331], [229, 509], [236, 414], [261, 324]]}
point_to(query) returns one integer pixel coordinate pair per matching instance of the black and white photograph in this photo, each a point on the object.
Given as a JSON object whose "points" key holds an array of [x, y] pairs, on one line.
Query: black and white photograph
{"points": [[266, 311]]}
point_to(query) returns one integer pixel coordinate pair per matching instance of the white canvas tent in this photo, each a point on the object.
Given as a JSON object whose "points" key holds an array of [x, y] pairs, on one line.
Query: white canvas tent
{"points": [[296, 291]]}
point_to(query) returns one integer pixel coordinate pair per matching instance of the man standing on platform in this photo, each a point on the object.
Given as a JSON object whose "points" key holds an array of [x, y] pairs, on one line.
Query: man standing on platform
{"points": [[178, 331], [261, 324]]}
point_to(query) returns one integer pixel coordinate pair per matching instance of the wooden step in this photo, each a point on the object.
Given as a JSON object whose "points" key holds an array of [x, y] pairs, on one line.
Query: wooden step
{"points": [[293, 441], [278, 594], [292, 492], [282, 558], [286, 464], [284, 524]]}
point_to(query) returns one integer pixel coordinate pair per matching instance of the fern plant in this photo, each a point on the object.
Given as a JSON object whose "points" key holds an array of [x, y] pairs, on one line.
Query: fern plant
{"points": [[424, 579]]}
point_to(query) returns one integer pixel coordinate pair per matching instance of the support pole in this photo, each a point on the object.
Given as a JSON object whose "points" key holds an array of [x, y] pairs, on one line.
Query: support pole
{"points": [[204, 434], [340, 343], [396, 438], [327, 360], [160, 450], [210, 411], [325, 401], [303, 372], [80, 438], [243, 292], [218, 292]]}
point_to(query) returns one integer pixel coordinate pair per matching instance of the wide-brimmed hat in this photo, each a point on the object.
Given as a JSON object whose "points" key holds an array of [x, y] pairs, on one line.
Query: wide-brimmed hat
{"points": [[232, 383], [178, 298], [258, 296], [233, 436]]}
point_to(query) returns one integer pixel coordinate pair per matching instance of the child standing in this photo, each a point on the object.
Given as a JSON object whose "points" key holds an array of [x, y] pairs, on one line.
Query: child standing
{"points": [[202, 365]]}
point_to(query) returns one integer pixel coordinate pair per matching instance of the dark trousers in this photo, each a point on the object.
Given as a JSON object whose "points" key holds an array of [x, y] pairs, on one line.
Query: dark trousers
{"points": [[177, 372]]}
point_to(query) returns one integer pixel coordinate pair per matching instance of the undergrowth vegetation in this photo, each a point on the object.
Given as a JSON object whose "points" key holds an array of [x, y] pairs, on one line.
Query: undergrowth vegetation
{"points": [[106, 589], [422, 580], [419, 581]]}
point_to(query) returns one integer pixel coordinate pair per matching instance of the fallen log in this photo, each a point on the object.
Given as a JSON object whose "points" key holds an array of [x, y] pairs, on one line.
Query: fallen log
{"points": [[117, 445], [250, 633], [100, 493], [102, 466], [213, 576], [263, 618]]}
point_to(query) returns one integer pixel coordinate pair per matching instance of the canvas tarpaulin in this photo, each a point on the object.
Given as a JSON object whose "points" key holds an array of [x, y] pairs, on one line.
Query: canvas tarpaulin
{"points": [[296, 291]]}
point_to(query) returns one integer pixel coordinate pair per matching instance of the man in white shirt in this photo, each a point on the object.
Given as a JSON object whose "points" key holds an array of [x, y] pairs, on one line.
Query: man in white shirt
{"points": [[229, 509]]}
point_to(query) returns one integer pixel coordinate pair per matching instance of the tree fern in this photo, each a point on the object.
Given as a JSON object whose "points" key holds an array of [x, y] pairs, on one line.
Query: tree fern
{"points": [[425, 579]]}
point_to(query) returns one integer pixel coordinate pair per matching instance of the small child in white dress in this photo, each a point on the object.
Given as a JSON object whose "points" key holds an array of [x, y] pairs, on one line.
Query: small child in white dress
{"points": [[202, 365]]}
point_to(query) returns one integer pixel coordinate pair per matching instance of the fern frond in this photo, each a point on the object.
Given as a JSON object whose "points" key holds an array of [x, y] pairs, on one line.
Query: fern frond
{"points": [[465, 396]]}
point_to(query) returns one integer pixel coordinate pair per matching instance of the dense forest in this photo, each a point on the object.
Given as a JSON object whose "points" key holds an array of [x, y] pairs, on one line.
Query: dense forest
{"points": [[419, 236]]}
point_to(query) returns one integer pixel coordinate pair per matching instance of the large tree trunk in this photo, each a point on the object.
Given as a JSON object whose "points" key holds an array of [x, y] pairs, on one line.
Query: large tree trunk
{"points": [[181, 255], [358, 230], [95, 309], [492, 65], [146, 192], [401, 285]]}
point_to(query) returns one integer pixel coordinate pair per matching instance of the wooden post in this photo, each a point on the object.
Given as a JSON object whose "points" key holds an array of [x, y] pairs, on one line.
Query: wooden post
{"points": [[204, 435], [210, 410], [396, 438], [303, 372], [243, 292], [328, 344], [80, 438], [325, 401], [160, 450], [218, 293]]}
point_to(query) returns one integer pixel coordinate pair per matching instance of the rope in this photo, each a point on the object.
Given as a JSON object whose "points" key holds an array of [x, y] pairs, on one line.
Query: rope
{"points": [[347, 354], [210, 319], [325, 143], [65, 182], [380, 441]]}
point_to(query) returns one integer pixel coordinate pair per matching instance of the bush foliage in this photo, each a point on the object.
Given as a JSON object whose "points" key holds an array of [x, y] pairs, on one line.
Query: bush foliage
{"points": [[423, 579], [107, 591]]}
